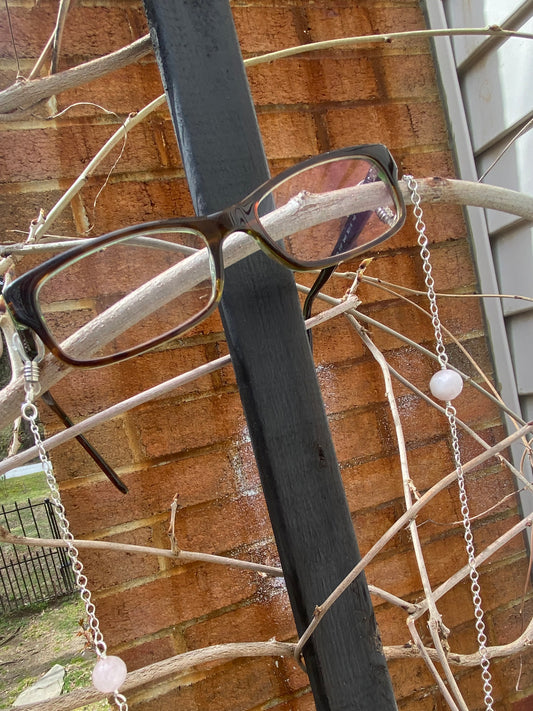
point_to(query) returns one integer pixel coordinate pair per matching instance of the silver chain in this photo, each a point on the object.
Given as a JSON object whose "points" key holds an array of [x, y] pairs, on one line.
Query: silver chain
{"points": [[452, 420], [30, 414]]}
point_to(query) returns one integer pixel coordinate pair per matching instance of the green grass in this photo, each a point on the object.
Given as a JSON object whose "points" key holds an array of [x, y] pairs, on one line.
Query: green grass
{"points": [[55, 626], [21, 488]]}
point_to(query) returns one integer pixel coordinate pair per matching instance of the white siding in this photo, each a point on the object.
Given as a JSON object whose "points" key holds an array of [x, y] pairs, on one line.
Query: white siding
{"points": [[487, 86]]}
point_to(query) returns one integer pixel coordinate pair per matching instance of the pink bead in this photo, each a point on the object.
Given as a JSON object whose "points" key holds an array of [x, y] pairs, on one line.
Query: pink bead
{"points": [[109, 674], [446, 384]]}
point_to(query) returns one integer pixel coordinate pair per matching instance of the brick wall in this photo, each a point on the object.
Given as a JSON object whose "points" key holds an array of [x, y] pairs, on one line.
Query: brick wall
{"points": [[194, 441]]}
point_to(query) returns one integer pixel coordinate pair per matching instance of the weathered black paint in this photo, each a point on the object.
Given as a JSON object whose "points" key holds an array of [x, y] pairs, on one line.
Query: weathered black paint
{"points": [[201, 65]]}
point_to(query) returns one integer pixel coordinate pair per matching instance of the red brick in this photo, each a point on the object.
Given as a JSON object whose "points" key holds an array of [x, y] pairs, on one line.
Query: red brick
{"points": [[19, 207], [264, 29], [356, 385], [423, 701], [121, 204], [85, 392], [133, 87], [68, 147], [288, 135], [303, 80], [409, 675], [401, 17], [71, 461], [251, 682], [370, 525], [191, 592], [202, 422], [395, 572], [337, 21], [509, 623], [299, 703], [155, 650], [524, 704], [372, 483], [396, 125], [259, 620], [409, 75], [197, 479], [195, 442], [364, 426], [89, 31], [221, 526], [335, 341], [106, 569]]}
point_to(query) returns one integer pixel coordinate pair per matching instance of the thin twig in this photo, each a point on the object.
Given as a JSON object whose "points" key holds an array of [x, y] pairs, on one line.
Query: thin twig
{"points": [[51, 373], [181, 555], [58, 34], [436, 625], [28, 93], [400, 523], [423, 651], [167, 667], [386, 38], [405, 339], [32, 92]]}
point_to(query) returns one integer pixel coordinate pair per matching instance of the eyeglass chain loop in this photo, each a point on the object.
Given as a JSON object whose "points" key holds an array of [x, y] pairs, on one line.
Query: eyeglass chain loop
{"points": [[452, 420], [30, 414]]}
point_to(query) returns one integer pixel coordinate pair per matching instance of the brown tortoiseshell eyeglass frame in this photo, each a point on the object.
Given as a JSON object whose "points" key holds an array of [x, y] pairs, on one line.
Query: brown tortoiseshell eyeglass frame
{"points": [[21, 296]]}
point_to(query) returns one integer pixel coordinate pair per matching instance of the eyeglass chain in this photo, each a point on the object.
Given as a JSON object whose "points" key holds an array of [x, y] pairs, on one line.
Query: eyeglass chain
{"points": [[452, 420], [109, 671]]}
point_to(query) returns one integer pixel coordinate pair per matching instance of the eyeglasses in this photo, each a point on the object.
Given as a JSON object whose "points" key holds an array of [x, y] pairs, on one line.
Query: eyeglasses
{"points": [[126, 292]]}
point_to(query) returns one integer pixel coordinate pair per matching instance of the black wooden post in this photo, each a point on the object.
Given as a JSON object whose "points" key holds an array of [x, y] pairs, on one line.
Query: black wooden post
{"points": [[207, 90]]}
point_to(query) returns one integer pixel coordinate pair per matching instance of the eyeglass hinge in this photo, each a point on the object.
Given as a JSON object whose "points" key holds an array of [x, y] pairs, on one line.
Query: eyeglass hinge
{"points": [[31, 369]]}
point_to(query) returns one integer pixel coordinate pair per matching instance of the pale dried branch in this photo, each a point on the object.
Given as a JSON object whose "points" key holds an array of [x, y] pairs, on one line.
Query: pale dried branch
{"points": [[482, 557], [436, 625], [430, 354], [225, 652], [180, 555], [401, 522], [58, 34], [7, 537], [424, 653], [446, 191], [499, 651], [312, 210], [346, 42], [171, 666], [52, 372], [23, 96]]}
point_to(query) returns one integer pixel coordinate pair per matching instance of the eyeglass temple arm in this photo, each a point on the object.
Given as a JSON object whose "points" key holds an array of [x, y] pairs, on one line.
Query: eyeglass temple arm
{"points": [[351, 230], [96, 456]]}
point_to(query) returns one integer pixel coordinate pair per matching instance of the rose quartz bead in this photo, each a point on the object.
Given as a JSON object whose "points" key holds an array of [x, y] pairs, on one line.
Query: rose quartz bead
{"points": [[109, 674], [446, 384]]}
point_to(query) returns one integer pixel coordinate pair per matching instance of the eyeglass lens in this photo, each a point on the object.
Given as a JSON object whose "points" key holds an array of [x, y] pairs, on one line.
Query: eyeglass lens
{"points": [[138, 288], [322, 213], [155, 282]]}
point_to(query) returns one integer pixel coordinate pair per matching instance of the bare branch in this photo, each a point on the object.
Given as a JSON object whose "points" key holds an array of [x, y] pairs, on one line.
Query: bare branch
{"points": [[345, 42], [403, 521], [171, 666], [58, 34], [25, 94], [52, 372], [180, 555]]}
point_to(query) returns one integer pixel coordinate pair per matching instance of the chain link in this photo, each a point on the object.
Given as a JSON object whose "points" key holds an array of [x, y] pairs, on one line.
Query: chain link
{"points": [[30, 414], [452, 421]]}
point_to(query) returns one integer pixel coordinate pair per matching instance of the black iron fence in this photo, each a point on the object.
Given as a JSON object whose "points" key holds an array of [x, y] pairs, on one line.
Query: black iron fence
{"points": [[29, 575]]}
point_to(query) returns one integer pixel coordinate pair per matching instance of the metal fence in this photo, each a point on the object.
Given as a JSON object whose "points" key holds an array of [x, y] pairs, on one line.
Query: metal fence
{"points": [[29, 575]]}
